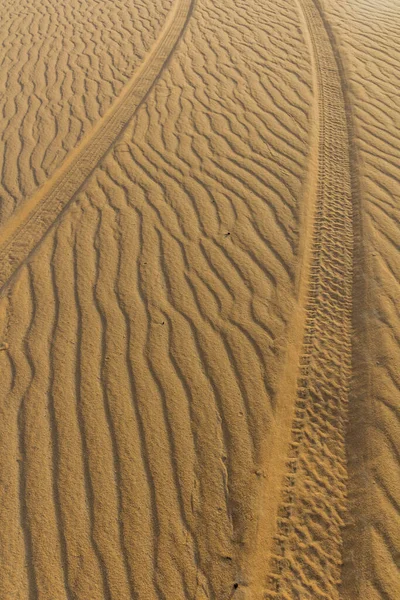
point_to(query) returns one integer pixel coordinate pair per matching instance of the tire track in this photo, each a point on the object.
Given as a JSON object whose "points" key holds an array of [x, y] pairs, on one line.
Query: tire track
{"points": [[307, 551], [371, 540], [29, 224]]}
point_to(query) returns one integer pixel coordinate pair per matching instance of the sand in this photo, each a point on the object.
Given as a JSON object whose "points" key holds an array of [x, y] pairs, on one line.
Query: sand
{"points": [[199, 322]]}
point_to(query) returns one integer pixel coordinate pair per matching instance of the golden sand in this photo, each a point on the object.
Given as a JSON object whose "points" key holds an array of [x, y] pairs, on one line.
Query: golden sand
{"points": [[199, 311]]}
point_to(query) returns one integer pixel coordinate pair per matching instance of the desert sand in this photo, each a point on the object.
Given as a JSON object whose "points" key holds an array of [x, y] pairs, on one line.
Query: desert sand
{"points": [[200, 300]]}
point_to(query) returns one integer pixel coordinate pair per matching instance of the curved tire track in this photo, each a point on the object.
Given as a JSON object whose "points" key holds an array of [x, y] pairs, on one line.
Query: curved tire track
{"points": [[29, 224], [307, 552]]}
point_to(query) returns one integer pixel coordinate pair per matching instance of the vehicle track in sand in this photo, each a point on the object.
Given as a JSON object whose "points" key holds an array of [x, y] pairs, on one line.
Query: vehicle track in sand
{"points": [[28, 225], [368, 34], [307, 549]]}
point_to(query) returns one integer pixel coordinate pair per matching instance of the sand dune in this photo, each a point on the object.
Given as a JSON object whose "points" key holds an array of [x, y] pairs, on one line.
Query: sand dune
{"points": [[198, 301]]}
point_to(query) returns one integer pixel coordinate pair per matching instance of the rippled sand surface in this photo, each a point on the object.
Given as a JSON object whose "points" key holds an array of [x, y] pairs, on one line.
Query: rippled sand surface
{"points": [[200, 301]]}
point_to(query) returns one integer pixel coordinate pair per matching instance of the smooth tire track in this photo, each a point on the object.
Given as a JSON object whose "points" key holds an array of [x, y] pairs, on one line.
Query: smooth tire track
{"points": [[29, 224]]}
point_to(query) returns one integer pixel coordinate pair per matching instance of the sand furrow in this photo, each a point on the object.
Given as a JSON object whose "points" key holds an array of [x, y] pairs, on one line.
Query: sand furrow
{"points": [[35, 447], [16, 579], [71, 476], [94, 413]]}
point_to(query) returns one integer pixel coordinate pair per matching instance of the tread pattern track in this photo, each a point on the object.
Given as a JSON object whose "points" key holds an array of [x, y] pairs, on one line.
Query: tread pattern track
{"points": [[368, 32], [307, 554]]}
